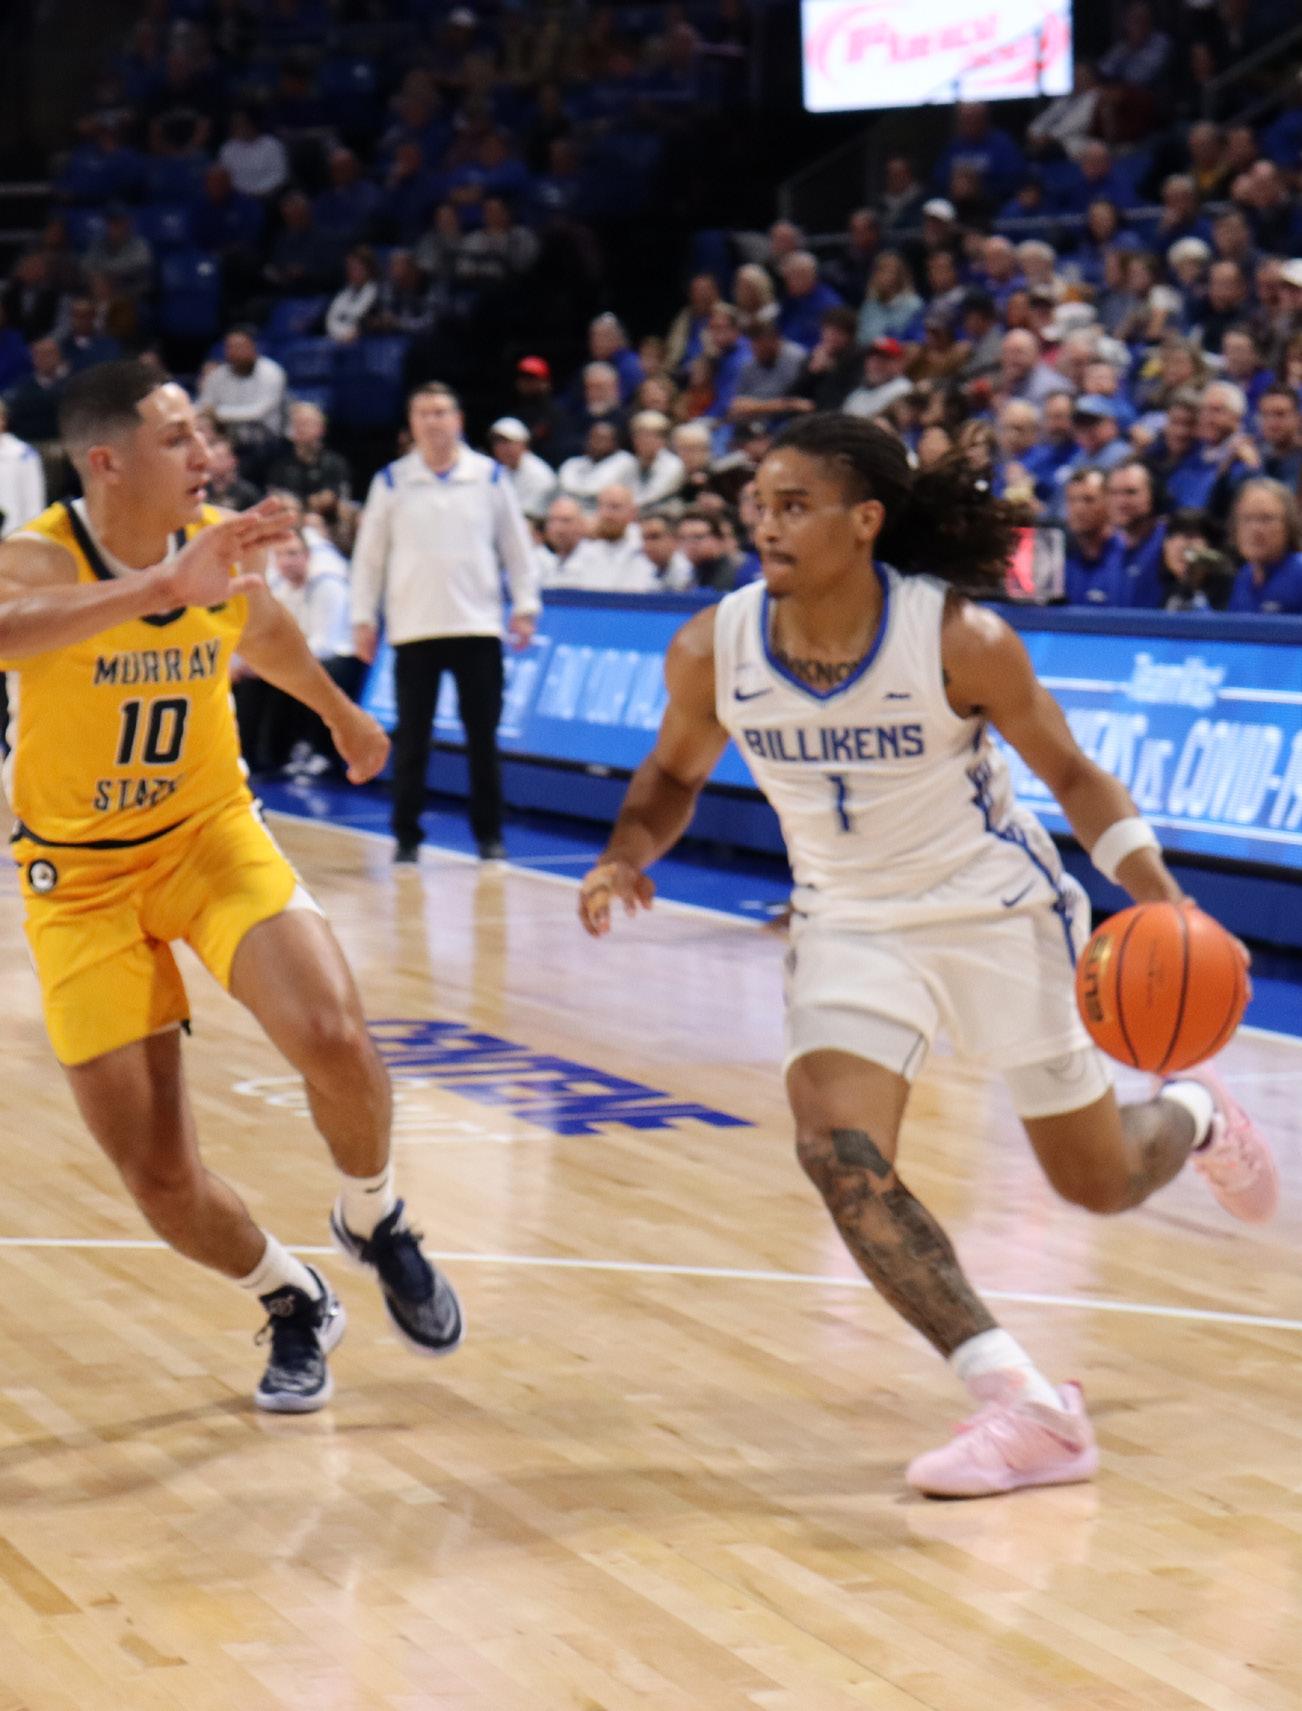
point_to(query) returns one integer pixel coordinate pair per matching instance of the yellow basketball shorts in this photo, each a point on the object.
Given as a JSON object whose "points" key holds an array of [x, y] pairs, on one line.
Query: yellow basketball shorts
{"points": [[100, 923]]}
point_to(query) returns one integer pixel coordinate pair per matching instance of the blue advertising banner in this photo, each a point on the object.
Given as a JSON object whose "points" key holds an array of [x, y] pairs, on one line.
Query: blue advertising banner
{"points": [[1200, 719]]}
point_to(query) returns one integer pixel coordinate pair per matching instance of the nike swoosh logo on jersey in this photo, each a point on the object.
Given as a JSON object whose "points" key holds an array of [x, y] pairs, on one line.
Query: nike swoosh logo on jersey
{"points": [[1011, 902], [754, 695]]}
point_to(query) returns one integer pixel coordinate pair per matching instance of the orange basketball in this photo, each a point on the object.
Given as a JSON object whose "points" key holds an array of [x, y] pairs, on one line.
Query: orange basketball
{"points": [[1161, 986]]}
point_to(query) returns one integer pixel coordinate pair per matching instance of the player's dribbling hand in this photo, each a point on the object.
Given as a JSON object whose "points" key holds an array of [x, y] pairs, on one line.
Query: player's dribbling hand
{"points": [[609, 881], [363, 743], [200, 574]]}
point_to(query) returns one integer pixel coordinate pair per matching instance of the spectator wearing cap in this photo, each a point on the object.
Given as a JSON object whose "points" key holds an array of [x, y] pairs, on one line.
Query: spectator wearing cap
{"points": [[610, 559], [891, 302], [768, 381], [532, 401], [1139, 533], [981, 148], [884, 380], [534, 481], [1267, 536], [1196, 577], [1022, 372], [806, 296], [1279, 436], [660, 472], [601, 464], [1099, 445], [1207, 478], [662, 563], [1090, 562], [833, 368]]}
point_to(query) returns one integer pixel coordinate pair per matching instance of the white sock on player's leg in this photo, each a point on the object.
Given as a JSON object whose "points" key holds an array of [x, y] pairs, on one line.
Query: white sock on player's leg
{"points": [[366, 1200], [1197, 1101], [996, 1368], [276, 1269]]}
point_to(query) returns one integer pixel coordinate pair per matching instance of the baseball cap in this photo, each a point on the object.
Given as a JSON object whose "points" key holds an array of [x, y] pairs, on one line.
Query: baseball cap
{"points": [[1095, 407], [509, 428], [940, 209], [1291, 273], [538, 366], [886, 347]]}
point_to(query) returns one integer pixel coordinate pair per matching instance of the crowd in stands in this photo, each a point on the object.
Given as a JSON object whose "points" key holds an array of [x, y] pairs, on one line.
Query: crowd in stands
{"points": [[1102, 315]]}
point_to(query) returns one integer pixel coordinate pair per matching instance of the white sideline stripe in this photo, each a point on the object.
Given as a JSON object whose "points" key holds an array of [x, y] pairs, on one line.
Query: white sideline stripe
{"points": [[661, 902], [718, 1274]]}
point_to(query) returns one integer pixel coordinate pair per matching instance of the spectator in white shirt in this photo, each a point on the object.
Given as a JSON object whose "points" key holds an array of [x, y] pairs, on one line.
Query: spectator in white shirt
{"points": [[350, 307], [564, 533], [665, 566], [660, 472], [602, 463], [534, 481], [610, 560], [257, 162], [439, 528], [22, 479], [246, 393]]}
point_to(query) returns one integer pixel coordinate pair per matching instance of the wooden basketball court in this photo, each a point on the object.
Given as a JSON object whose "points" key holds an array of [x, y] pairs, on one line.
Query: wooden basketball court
{"points": [[665, 1470]]}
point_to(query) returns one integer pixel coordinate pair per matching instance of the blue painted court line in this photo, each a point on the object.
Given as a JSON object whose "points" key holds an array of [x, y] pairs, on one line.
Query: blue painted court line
{"points": [[754, 887]]}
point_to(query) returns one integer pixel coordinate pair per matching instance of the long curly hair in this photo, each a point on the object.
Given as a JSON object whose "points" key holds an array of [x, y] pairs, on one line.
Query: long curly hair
{"points": [[942, 522]]}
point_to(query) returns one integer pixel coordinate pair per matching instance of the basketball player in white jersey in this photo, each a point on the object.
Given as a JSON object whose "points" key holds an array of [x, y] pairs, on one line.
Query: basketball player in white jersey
{"points": [[862, 690]]}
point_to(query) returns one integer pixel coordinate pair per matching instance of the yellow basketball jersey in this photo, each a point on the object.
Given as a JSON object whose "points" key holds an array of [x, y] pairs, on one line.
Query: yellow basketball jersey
{"points": [[119, 738]]}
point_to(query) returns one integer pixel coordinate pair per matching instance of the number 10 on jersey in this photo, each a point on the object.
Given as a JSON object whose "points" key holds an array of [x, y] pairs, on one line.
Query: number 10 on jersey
{"points": [[163, 735]]}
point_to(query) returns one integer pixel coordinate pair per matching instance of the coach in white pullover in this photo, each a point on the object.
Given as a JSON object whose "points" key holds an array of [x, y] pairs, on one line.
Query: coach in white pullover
{"points": [[440, 526]]}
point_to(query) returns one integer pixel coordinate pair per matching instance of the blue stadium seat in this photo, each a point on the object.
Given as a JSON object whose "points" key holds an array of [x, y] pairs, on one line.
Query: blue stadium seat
{"points": [[350, 87], [369, 388], [190, 295], [295, 317], [308, 361], [168, 226]]}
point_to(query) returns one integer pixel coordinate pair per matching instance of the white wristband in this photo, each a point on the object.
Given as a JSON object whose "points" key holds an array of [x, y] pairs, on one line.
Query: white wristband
{"points": [[1122, 838]]}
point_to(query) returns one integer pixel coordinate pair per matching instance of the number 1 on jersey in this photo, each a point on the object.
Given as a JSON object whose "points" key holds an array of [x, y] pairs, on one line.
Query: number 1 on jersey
{"points": [[164, 732], [841, 803]]}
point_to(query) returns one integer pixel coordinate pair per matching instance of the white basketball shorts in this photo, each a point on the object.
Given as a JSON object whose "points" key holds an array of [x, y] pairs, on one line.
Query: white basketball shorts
{"points": [[1001, 986]]}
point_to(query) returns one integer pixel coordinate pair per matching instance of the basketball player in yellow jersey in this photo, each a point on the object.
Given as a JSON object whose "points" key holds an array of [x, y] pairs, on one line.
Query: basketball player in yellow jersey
{"points": [[134, 827]]}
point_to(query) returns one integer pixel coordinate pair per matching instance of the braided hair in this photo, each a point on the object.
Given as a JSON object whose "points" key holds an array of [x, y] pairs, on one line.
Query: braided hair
{"points": [[942, 522]]}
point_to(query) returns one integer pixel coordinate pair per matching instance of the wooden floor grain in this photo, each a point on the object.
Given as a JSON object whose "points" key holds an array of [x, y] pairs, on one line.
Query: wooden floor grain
{"points": [[646, 1481]]}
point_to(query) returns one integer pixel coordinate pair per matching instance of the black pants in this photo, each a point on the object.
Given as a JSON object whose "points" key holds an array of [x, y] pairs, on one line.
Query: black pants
{"points": [[476, 664]]}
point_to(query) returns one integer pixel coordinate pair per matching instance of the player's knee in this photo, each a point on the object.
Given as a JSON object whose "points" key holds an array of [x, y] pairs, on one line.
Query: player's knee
{"points": [[331, 1041], [829, 1154], [1094, 1188]]}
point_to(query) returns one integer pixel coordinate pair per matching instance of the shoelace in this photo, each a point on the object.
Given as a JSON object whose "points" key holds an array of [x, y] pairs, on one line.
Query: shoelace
{"points": [[402, 1265], [293, 1337]]}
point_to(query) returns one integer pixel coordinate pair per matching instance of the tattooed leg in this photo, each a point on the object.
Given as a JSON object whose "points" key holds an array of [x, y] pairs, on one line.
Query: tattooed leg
{"points": [[896, 1242]]}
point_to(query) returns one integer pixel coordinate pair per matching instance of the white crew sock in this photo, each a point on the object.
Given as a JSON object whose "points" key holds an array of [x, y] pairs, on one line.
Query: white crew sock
{"points": [[1198, 1102], [275, 1269], [366, 1200], [996, 1368]]}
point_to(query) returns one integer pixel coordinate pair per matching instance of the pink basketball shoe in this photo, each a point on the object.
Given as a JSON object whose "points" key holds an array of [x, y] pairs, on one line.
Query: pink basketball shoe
{"points": [[1005, 1447], [1237, 1161]]}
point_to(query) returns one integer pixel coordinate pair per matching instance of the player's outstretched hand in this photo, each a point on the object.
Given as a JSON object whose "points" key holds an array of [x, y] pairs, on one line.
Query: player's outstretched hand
{"points": [[200, 574], [608, 881], [362, 743]]}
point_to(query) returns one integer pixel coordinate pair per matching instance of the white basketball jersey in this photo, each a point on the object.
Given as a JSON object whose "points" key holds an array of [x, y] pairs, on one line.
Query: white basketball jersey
{"points": [[894, 809]]}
